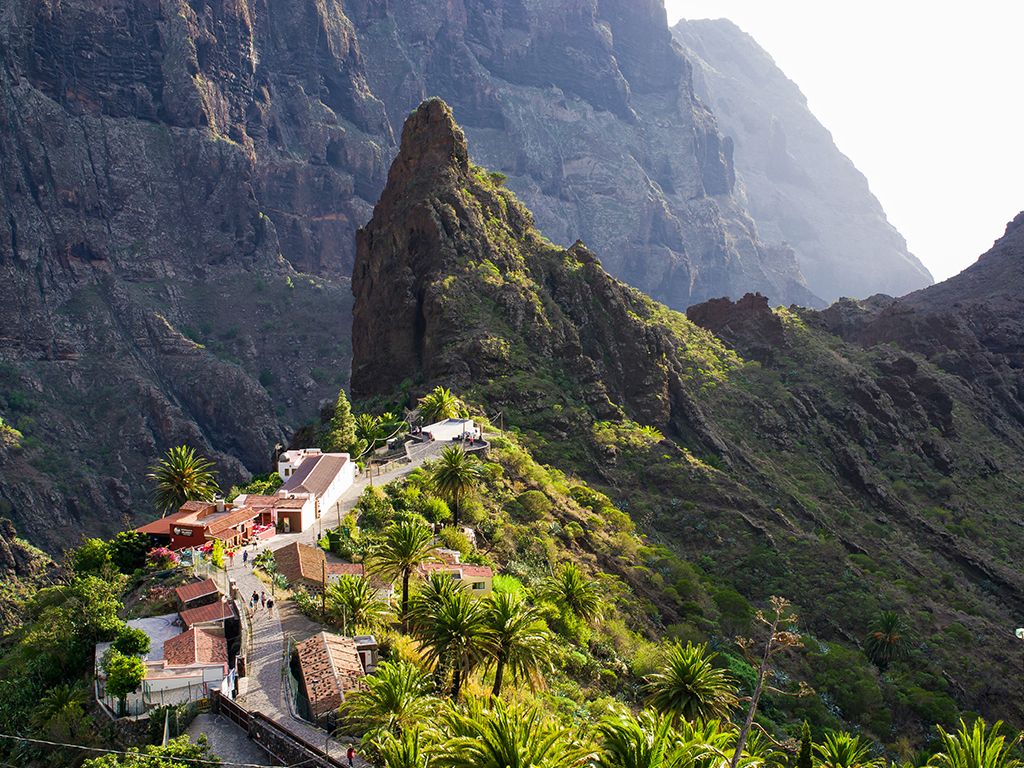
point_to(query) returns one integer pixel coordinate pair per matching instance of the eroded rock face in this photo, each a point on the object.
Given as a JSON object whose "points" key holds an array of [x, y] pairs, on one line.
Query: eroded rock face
{"points": [[145, 285], [453, 285], [789, 175], [748, 325]]}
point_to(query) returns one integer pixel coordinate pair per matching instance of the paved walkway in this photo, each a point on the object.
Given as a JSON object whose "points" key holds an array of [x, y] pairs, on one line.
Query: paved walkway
{"points": [[227, 741], [266, 691]]}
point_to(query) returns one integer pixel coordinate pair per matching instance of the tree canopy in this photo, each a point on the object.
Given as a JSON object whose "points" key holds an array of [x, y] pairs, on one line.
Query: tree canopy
{"points": [[179, 477]]}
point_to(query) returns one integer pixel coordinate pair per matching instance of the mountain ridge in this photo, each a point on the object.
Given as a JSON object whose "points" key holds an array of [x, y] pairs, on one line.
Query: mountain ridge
{"points": [[860, 477]]}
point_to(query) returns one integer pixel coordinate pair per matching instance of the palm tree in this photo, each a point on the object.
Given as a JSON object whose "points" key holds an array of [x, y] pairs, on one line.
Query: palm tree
{"points": [[522, 642], [61, 711], [453, 631], [439, 404], [651, 741], [397, 697], [506, 736], [572, 590], [181, 476], [454, 475], [887, 639], [841, 750], [369, 430], [408, 750], [357, 603], [404, 546], [974, 748], [688, 687]]}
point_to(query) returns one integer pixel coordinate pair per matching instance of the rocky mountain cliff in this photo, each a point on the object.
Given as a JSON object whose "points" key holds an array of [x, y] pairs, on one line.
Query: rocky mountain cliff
{"points": [[167, 169], [798, 187], [755, 443]]}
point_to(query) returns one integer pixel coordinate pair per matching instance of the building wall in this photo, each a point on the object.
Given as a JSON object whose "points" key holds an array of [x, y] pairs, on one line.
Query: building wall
{"points": [[341, 483], [196, 539]]}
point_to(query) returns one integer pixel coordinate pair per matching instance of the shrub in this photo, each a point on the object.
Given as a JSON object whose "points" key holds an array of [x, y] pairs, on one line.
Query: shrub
{"points": [[574, 530], [453, 538], [132, 642], [374, 507], [434, 509], [217, 553], [535, 503], [162, 558]]}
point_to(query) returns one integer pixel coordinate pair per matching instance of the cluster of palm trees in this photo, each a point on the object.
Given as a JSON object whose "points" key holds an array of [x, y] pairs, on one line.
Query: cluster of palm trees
{"points": [[456, 632], [406, 726]]}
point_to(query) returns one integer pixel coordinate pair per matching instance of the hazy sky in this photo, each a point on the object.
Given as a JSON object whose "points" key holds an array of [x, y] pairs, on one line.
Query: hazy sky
{"points": [[924, 98]]}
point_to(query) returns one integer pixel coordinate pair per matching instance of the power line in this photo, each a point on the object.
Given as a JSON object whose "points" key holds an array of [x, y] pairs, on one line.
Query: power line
{"points": [[135, 754]]}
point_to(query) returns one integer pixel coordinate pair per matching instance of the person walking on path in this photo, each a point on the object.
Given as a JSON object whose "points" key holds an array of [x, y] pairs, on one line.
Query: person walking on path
{"points": [[245, 558], [350, 754], [263, 599], [231, 557], [270, 606]]}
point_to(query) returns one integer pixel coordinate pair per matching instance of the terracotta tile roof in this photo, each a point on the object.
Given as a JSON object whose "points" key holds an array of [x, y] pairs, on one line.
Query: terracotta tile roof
{"points": [[467, 570], [330, 668], [195, 646], [212, 612], [231, 520], [194, 591], [283, 503], [335, 568], [316, 473], [163, 525], [197, 506], [260, 501], [299, 561]]}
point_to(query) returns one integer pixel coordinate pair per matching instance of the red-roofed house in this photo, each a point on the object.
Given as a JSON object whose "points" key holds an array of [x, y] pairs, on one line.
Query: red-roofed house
{"points": [[197, 594], [209, 616], [479, 579], [193, 658], [198, 522], [311, 566], [310, 473], [329, 668]]}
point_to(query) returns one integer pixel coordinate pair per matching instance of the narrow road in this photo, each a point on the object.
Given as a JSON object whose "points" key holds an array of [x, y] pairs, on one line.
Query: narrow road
{"points": [[266, 691]]}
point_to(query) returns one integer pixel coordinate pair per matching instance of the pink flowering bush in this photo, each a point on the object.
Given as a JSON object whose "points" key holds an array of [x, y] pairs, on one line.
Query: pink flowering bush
{"points": [[162, 557]]}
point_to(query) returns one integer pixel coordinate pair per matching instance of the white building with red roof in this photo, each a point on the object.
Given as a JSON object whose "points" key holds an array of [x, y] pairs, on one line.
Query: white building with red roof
{"points": [[478, 579], [311, 474]]}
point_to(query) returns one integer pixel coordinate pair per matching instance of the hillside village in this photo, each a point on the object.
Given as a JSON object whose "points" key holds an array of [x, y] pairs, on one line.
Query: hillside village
{"points": [[255, 561]]}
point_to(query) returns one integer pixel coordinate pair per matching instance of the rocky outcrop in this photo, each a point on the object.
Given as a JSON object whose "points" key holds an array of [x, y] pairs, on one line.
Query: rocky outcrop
{"points": [[789, 175], [453, 284], [747, 325]]}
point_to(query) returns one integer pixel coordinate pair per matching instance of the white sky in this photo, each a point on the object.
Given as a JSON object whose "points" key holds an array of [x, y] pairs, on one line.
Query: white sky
{"points": [[925, 98]]}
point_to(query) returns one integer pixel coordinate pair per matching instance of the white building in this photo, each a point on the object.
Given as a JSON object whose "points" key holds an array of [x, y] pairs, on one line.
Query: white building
{"points": [[311, 474]]}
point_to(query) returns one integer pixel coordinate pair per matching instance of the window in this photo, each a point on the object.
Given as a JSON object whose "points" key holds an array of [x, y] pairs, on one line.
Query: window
{"points": [[478, 585]]}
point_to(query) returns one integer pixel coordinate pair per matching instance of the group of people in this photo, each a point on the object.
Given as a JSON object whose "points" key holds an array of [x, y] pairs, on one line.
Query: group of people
{"points": [[261, 599]]}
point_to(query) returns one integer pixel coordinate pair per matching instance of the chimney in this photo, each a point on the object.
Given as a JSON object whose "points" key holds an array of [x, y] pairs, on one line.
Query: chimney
{"points": [[220, 505]]}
